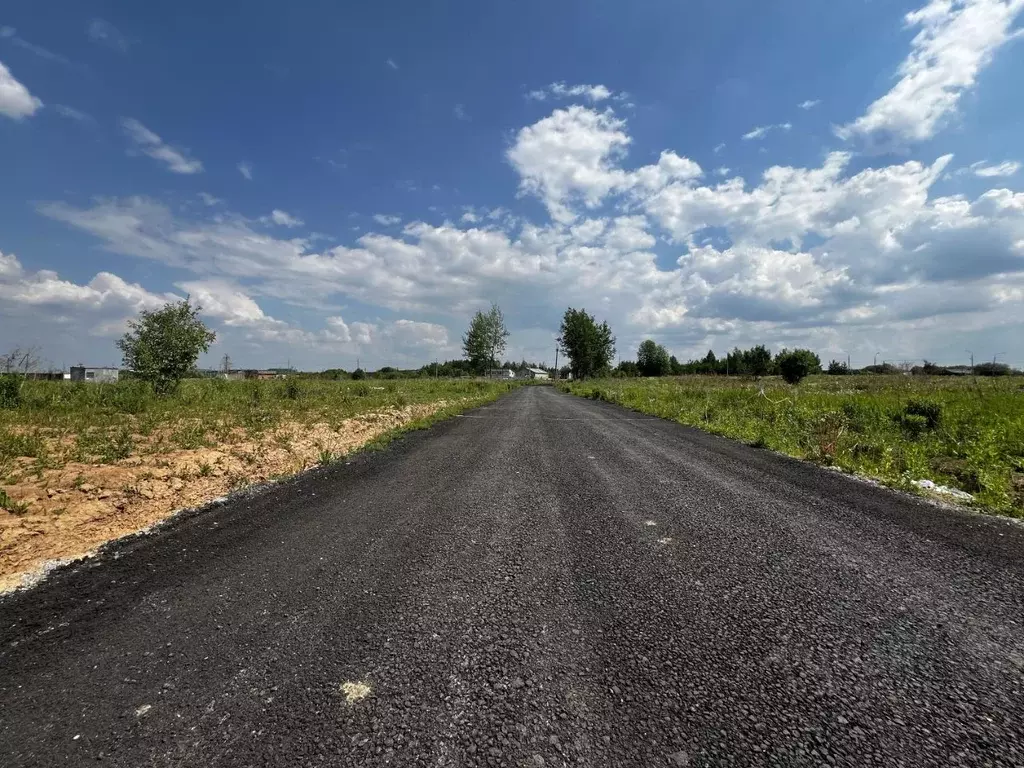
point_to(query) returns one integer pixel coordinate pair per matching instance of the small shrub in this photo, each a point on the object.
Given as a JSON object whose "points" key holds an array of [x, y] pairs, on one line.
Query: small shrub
{"points": [[118, 446], [10, 391], [14, 445], [360, 390], [12, 506], [325, 458], [912, 424], [796, 365], [358, 374], [291, 390], [205, 470], [931, 411], [190, 435], [126, 396]]}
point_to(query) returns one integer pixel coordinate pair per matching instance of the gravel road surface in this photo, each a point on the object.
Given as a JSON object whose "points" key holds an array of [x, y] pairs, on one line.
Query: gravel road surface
{"points": [[545, 581]]}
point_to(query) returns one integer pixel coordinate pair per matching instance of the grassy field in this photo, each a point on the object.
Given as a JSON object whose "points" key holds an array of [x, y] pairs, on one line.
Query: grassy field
{"points": [[57, 422], [84, 463], [960, 432]]}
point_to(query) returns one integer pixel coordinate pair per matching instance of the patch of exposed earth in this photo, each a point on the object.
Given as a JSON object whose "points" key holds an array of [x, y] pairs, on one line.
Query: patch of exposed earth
{"points": [[70, 511]]}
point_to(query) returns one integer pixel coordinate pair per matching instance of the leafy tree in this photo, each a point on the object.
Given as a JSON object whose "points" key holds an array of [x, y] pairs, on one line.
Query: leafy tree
{"points": [[797, 364], [757, 361], [992, 369], [162, 345], [674, 366], [652, 359], [627, 368], [484, 342], [838, 368], [709, 364], [358, 374], [589, 346]]}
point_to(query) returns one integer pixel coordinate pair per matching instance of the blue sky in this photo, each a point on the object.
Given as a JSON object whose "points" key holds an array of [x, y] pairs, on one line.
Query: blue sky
{"points": [[341, 181]]}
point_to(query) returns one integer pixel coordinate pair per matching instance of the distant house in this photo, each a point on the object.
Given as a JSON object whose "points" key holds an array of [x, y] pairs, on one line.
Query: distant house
{"points": [[93, 373], [501, 373], [250, 374], [535, 373]]}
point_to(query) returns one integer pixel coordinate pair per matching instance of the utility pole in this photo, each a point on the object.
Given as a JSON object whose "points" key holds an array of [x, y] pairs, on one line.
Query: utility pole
{"points": [[556, 361], [848, 366], [225, 364], [435, 369], [972, 360], [876, 359]]}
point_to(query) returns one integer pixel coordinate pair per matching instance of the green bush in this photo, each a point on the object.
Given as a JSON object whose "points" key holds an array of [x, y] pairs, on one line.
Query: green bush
{"points": [[798, 364], [10, 391], [931, 411], [913, 425]]}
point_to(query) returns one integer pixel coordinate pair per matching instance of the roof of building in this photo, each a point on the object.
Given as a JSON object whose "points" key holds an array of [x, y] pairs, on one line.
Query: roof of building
{"points": [[537, 370]]}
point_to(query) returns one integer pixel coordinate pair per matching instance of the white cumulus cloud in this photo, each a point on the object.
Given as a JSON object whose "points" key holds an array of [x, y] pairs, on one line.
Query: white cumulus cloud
{"points": [[15, 100], [955, 41], [282, 219]]}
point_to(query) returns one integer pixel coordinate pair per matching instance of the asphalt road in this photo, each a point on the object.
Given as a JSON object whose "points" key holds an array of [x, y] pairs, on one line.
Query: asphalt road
{"points": [[545, 581]]}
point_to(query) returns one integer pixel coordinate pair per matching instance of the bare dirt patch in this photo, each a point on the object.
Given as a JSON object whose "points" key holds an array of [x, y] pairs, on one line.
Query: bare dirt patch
{"points": [[66, 513]]}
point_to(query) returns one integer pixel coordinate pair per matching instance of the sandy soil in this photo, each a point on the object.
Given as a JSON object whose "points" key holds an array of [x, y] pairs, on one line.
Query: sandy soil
{"points": [[74, 509]]}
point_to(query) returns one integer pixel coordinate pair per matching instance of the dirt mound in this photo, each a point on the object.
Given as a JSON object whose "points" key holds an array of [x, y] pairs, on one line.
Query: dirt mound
{"points": [[66, 513]]}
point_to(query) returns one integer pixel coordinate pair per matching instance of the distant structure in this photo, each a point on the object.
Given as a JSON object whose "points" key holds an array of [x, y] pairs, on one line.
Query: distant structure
{"points": [[238, 374], [501, 373], [535, 373], [94, 374]]}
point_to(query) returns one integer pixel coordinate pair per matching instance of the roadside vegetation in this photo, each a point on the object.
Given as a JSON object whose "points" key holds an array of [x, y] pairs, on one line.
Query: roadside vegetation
{"points": [[81, 463], [962, 432], [84, 462]]}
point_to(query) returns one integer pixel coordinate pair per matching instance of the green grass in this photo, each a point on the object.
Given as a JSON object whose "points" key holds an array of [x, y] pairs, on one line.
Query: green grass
{"points": [[961, 432], [57, 422]]}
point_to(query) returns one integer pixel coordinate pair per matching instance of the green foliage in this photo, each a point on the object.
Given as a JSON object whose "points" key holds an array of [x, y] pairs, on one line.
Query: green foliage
{"points": [[358, 374], [993, 369], [929, 410], [796, 365], [10, 391], [652, 359], [957, 431], [484, 342], [291, 390], [837, 368], [162, 346], [10, 505], [626, 368], [590, 347], [757, 361]]}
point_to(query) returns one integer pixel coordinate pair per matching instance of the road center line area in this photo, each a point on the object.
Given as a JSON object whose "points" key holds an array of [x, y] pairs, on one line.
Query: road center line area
{"points": [[565, 584]]}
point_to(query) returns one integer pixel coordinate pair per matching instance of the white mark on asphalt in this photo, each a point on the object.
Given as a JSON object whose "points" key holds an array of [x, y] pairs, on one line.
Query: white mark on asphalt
{"points": [[143, 710], [590, 457], [649, 523], [355, 691], [665, 540], [76, 737]]}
